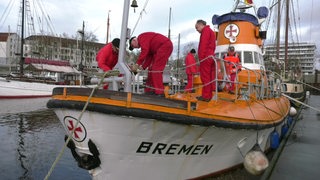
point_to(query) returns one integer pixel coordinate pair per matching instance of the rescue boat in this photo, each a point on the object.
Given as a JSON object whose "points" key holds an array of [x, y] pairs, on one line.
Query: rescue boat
{"points": [[127, 134]]}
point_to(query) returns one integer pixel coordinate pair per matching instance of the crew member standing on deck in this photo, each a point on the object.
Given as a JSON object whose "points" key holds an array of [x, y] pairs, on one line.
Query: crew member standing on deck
{"points": [[234, 65], [191, 69], [155, 52], [107, 56], [207, 46]]}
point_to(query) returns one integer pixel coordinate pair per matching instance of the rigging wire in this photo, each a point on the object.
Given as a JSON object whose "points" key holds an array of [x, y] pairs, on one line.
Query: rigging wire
{"points": [[46, 17], [6, 13], [311, 19], [140, 16]]}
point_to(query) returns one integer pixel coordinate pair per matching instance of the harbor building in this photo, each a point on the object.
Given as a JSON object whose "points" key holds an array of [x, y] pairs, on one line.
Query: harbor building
{"points": [[75, 51], [299, 55]]}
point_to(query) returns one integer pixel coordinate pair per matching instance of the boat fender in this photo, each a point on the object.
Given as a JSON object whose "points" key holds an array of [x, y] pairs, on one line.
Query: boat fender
{"points": [[293, 111], [86, 161], [284, 130], [274, 139], [255, 161]]}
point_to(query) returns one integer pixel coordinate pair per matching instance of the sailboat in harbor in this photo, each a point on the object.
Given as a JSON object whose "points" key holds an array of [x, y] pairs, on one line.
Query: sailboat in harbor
{"points": [[292, 77], [121, 134], [34, 77]]}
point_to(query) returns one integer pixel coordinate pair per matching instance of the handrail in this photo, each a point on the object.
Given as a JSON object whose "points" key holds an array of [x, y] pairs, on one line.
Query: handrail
{"points": [[264, 85]]}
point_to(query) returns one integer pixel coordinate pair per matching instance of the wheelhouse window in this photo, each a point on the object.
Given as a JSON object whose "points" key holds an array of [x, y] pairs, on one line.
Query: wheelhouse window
{"points": [[247, 57]]}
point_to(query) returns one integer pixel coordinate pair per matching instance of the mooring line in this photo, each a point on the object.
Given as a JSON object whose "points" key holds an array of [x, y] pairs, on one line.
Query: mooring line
{"points": [[308, 85], [108, 73], [300, 102]]}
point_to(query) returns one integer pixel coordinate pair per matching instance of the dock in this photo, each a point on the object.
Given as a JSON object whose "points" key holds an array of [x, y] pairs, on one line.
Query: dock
{"points": [[299, 158]]}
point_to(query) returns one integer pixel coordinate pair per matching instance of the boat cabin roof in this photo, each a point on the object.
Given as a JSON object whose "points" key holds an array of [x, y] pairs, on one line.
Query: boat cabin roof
{"points": [[235, 16]]}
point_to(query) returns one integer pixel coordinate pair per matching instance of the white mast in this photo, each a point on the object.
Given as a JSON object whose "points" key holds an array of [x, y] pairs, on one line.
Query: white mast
{"points": [[122, 49]]}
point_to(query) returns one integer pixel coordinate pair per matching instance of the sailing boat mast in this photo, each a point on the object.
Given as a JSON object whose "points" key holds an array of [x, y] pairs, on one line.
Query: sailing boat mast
{"points": [[278, 31], [108, 27], [169, 31], [286, 36], [22, 38]]}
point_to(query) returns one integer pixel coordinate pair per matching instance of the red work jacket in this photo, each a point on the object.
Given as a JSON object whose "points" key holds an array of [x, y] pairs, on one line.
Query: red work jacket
{"points": [[149, 43], [235, 65], [207, 44], [107, 58], [191, 66]]}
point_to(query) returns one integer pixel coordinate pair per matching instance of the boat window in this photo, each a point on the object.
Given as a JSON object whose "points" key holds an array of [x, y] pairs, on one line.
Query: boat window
{"points": [[284, 86], [240, 56], [247, 57], [222, 54], [256, 58], [261, 59]]}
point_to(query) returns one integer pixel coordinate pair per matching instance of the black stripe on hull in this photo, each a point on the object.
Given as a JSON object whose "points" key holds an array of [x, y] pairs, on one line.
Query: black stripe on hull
{"points": [[150, 114]]}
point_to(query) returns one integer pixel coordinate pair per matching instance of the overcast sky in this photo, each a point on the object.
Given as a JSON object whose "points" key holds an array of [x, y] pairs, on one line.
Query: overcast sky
{"points": [[67, 16]]}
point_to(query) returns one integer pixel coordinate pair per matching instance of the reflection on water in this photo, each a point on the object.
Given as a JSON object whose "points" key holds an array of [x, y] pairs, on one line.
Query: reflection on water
{"points": [[22, 105], [30, 143]]}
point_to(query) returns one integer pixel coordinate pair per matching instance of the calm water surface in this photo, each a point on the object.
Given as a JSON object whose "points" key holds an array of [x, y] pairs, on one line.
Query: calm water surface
{"points": [[31, 138]]}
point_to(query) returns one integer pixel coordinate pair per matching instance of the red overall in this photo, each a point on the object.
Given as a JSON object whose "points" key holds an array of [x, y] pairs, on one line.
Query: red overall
{"points": [[207, 46], [107, 59], [155, 52], [234, 66], [191, 69]]}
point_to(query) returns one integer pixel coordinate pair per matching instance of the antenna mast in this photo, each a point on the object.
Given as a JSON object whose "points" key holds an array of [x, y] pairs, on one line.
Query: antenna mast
{"points": [[169, 34], [108, 27]]}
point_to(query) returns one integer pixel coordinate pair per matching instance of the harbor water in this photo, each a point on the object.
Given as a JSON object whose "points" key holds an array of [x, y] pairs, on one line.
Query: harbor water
{"points": [[32, 137]]}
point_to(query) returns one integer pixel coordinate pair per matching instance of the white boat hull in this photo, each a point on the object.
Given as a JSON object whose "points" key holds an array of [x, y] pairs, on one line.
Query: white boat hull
{"points": [[137, 148], [13, 89], [19, 89]]}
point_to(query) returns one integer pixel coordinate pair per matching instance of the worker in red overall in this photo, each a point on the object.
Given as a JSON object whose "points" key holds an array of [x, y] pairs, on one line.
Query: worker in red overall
{"points": [[107, 56], [207, 46], [155, 52], [234, 66], [191, 69]]}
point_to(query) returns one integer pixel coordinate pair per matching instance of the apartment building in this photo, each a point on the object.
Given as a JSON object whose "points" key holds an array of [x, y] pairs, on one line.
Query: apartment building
{"points": [[48, 48], [299, 55]]}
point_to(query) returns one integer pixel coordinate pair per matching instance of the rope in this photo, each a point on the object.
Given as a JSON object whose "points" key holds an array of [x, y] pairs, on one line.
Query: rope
{"points": [[308, 85], [140, 17], [78, 121], [293, 99]]}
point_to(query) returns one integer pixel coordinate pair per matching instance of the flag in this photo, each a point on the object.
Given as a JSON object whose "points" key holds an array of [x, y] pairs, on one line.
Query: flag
{"points": [[248, 1]]}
